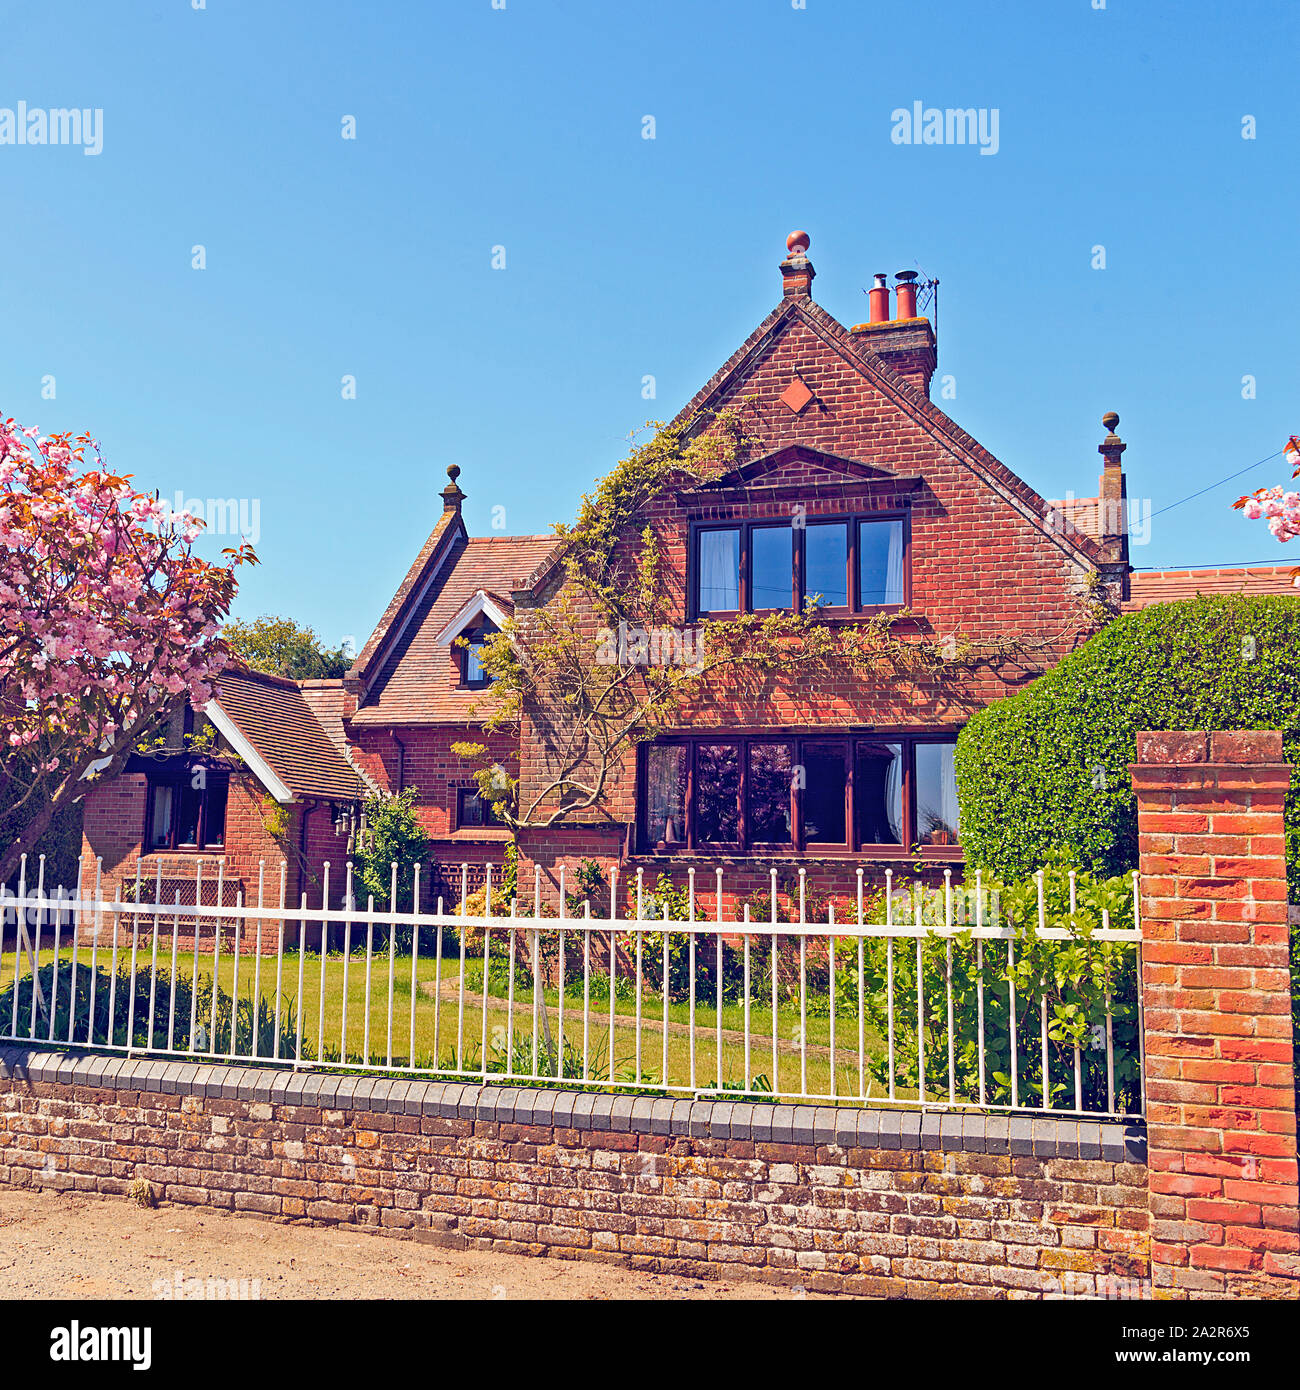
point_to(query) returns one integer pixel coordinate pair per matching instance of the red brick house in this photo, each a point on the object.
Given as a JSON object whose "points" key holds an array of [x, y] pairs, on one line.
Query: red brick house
{"points": [[293, 760], [861, 490], [260, 800]]}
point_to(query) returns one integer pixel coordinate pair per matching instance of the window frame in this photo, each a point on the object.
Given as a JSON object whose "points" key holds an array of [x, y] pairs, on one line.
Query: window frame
{"points": [[849, 739], [853, 521], [177, 778], [472, 634], [487, 823]]}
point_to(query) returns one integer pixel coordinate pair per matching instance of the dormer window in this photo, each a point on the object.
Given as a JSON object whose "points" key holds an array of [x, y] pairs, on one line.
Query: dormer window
{"points": [[842, 564], [473, 676], [481, 615]]}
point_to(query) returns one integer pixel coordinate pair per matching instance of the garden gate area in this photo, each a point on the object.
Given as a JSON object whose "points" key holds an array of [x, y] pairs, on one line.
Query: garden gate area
{"points": [[1066, 1087]]}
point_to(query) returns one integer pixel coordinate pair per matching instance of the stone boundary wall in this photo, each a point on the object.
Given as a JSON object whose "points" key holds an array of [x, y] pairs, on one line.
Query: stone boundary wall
{"points": [[885, 1203]]}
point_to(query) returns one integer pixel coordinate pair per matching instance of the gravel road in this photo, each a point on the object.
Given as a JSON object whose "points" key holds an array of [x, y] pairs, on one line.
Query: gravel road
{"points": [[69, 1245]]}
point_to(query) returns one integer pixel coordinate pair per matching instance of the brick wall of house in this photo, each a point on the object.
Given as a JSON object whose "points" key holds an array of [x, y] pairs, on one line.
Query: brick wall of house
{"points": [[428, 764], [113, 827], [745, 880], [887, 1205]]}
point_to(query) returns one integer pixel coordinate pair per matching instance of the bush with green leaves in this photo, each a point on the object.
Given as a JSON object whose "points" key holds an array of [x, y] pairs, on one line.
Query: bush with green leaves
{"points": [[106, 1010], [1073, 984], [1047, 769], [393, 835]]}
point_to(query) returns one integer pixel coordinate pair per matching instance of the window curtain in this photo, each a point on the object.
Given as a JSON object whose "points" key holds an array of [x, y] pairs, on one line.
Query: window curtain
{"points": [[894, 566], [719, 571], [894, 796], [666, 795], [936, 777], [162, 814]]}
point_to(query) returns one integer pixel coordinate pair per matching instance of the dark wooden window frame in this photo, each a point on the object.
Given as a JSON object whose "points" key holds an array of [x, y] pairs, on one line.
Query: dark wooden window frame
{"points": [[177, 778], [853, 521], [472, 634], [487, 823], [910, 738]]}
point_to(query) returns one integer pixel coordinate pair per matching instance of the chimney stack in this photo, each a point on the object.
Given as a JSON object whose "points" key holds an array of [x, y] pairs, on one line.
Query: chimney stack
{"points": [[905, 342], [452, 496], [797, 270]]}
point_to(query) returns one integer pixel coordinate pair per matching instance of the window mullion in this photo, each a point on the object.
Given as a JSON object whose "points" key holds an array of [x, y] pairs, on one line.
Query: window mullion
{"points": [[742, 820], [744, 587], [909, 793]]}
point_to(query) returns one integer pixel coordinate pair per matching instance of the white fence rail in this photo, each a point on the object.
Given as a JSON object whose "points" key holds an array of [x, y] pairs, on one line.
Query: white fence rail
{"points": [[945, 998]]}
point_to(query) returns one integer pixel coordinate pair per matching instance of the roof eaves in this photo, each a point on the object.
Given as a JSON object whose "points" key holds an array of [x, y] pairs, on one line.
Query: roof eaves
{"points": [[252, 759], [479, 603]]}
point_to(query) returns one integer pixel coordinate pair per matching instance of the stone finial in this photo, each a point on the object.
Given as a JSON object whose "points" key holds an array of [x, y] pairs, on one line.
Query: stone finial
{"points": [[797, 270], [452, 496], [1112, 446]]}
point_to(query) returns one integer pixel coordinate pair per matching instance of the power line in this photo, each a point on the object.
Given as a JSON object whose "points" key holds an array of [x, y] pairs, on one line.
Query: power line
{"points": [[1213, 565], [1220, 483]]}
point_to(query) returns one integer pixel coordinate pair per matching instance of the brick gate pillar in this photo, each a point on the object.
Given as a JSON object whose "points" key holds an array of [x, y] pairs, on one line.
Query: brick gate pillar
{"points": [[1220, 1079]]}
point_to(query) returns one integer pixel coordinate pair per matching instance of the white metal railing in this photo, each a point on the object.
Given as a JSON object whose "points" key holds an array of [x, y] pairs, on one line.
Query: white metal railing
{"points": [[947, 1001]]}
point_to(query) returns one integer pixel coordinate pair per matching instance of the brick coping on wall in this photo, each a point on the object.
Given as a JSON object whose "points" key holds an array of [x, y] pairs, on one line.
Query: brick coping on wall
{"points": [[1037, 1136]]}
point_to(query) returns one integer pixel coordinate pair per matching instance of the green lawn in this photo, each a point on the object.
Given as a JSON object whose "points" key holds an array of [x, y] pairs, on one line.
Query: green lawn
{"points": [[447, 1033]]}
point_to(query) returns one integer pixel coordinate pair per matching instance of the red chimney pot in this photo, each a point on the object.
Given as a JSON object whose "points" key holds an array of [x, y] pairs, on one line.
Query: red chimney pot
{"points": [[880, 299]]}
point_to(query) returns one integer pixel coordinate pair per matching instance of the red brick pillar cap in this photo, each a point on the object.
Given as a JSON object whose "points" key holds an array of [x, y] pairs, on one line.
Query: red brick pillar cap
{"points": [[1245, 746]]}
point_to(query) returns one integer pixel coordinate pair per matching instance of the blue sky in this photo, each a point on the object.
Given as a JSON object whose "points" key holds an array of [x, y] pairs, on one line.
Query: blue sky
{"points": [[625, 257]]}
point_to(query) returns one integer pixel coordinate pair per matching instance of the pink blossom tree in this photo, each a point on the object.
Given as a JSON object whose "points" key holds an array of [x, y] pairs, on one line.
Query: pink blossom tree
{"points": [[1279, 506], [108, 621]]}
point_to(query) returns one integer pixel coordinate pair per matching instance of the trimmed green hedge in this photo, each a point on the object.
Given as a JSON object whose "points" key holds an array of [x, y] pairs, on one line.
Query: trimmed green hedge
{"points": [[1047, 770]]}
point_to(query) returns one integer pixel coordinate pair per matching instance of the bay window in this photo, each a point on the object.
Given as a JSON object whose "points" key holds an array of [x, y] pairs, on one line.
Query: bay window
{"points": [[883, 794], [849, 564]]}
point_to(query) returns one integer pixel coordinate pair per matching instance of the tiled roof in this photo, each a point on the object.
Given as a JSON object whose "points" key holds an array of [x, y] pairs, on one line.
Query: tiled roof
{"points": [[449, 527], [1083, 513], [271, 713], [1166, 586], [328, 701], [414, 685]]}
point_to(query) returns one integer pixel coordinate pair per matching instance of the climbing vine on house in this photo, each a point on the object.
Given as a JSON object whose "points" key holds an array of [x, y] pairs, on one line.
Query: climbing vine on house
{"points": [[590, 694]]}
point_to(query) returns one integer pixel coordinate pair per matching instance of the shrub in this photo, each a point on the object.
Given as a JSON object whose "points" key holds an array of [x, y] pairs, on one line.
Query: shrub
{"points": [[1047, 769], [104, 994], [1074, 977], [393, 835]]}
